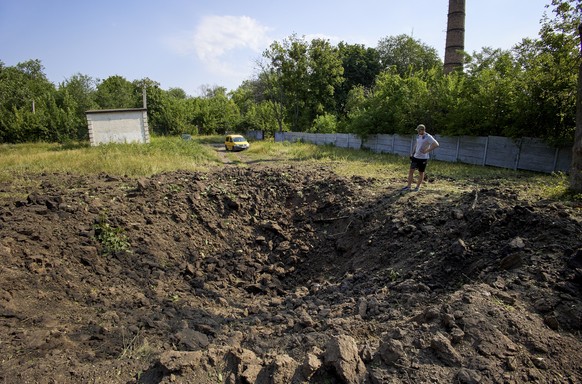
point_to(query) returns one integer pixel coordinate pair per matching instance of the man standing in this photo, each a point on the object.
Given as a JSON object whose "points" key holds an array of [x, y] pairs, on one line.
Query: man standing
{"points": [[424, 144]]}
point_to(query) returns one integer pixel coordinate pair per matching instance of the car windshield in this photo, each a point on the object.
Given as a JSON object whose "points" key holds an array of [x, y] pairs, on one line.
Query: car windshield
{"points": [[238, 139]]}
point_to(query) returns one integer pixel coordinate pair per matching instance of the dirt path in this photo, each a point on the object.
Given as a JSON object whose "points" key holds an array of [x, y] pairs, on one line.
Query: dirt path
{"points": [[230, 157]]}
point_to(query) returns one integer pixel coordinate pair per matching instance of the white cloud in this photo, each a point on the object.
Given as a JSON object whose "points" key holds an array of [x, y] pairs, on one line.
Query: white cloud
{"points": [[218, 34], [333, 40], [219, 41]]}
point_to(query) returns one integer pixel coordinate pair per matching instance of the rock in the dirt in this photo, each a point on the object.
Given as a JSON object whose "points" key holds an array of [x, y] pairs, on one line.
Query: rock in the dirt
{"points": [[142, 184], [392, 352], [250, 373], [310, 365], [552, 322], [362, 307], [510, 261], [576, 259], [459, 248], [367, 353], [468, 376], [305, 318], [284, 368], [411, 286], [179, 360], [246, 364], [341, 353], [275, 228], [517, 243], [191, 339], [457, 214], [445, 351]]}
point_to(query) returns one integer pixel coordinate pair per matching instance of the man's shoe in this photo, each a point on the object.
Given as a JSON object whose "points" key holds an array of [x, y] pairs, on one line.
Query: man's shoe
{"points": [[405, 189], [416, 189]]}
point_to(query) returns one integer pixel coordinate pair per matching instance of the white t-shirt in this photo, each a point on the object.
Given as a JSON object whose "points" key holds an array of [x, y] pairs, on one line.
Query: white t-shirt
{"points": [[423, 142]]}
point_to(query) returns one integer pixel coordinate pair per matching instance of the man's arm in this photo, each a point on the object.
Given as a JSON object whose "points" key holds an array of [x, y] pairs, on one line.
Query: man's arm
{"points": [[433, 145]]}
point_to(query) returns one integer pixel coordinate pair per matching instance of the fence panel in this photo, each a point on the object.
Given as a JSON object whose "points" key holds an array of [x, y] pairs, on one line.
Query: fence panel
{"points": [[342, 140], [402, 145], [535, 155], [564, 160], [255, 135], [527, 153], [448, 149], [380, 143], [327, 138], [502, 152], [472, 150], [354, 141]]}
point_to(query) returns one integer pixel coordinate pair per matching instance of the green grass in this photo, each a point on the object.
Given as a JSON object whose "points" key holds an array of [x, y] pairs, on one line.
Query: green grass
{"points": [[162, 154], [19, 163], [392, 169]]}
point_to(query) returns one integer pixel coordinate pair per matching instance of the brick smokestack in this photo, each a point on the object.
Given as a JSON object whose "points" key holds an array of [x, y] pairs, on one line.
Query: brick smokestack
{"points": [[455, 43]]}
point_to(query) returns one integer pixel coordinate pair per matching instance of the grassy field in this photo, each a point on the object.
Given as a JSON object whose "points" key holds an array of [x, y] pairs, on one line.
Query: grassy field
{"points": [[19, 164]]}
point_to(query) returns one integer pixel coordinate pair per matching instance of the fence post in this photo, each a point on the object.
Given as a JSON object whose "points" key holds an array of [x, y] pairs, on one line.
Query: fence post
{"points": [[393, 143], [486, 149], [556, 159], [518, 155]]}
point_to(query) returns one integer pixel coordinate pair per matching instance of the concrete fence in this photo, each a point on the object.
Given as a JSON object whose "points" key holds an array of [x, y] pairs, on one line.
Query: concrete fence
{"points": [[526, 153]]}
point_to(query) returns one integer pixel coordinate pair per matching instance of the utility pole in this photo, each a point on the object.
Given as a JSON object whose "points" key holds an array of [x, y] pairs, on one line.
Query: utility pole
{"points": [[143, 95]]}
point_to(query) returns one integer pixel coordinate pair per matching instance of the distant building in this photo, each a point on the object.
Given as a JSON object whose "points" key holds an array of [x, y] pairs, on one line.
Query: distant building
{"points": [[118, 126]]}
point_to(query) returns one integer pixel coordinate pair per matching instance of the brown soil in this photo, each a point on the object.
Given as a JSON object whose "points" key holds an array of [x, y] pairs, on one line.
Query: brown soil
{"points": [[286, 273]]}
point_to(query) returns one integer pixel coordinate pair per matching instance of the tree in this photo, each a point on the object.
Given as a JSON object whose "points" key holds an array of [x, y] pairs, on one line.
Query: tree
{"points": [[116, 92], [325, 74], [166, 111], [270, 83], [406, 55], [547, 99], [576, 168], [257, 111], [361, 66], [214, 114], [286, 73], [76, 95], [394, 105], [489, 95], [26, 103]]}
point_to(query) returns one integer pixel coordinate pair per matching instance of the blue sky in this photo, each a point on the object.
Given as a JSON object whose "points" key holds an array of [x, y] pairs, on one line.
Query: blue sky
{"points": [[191, 44]]}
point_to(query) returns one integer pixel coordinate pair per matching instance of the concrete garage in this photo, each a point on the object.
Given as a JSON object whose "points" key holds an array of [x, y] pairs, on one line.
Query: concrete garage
{"points": [[118, 126]]}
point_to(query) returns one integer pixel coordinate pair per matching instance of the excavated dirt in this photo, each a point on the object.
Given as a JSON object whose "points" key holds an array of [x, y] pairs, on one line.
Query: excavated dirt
{"points": [[286, 274]]}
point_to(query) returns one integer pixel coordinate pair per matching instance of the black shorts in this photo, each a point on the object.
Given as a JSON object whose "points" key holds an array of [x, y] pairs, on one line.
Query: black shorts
{"points": [[419, 164]]}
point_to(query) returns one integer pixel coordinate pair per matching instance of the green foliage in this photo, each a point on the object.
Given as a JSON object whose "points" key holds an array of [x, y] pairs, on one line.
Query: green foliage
{"points": [[112, 239], [117, 92], [325, 123], [394, 106], [361, 66], [302, 78], [406, 55]]}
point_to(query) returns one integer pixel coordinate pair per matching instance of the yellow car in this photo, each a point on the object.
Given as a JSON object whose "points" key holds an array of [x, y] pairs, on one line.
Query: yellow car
{"points": [[236, 143]]}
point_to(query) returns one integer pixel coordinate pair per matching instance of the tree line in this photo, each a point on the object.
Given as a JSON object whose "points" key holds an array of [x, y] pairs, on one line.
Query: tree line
{"points": [[314, 86]]}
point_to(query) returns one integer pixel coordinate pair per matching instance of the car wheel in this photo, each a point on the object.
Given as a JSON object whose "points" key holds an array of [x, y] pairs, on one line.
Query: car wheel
{"points": [[226, 147]]}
